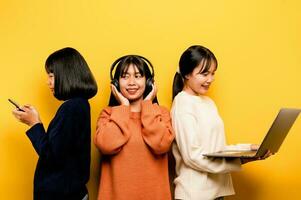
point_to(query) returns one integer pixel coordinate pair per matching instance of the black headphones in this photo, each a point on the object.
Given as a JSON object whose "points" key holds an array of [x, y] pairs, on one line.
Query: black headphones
{"points": [[149, 81]]}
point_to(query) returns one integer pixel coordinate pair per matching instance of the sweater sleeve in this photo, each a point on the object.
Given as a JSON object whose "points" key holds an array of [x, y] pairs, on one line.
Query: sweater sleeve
{"points": [[157, 131], [112, 131], [185, 129], [238, 147], [55, 144]]}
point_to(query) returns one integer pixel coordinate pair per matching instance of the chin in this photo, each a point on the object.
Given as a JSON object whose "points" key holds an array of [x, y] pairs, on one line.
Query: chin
{"points": [[202, 92], [132, 99]]}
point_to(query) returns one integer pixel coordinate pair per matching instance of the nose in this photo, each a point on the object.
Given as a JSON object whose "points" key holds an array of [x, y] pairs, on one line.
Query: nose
{"points": [[210, 79], [131, 81]]}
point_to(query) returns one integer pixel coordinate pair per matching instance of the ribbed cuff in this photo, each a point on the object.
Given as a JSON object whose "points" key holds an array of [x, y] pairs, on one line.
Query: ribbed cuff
{"points": [[35, 131]]}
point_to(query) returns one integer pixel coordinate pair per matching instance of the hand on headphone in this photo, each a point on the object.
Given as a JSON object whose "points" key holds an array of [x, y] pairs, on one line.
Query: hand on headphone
{"points": [[152, 93], [119, 97]]}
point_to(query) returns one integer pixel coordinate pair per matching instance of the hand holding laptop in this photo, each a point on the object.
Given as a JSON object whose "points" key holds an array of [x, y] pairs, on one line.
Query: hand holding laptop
{"points": [[254, 147], [271, 142], [266, 155]]}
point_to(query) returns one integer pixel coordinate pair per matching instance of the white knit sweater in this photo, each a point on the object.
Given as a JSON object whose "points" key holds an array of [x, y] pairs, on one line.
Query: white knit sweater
{"points": [[199, 129]]}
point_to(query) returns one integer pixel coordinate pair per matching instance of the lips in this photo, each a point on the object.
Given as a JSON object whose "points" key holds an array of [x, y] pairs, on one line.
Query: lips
{"points": [[132, 90], [206, 86]]}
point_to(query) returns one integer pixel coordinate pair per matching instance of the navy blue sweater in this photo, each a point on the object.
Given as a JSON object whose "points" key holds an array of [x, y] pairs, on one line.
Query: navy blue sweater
{"points": [[64, 152]]}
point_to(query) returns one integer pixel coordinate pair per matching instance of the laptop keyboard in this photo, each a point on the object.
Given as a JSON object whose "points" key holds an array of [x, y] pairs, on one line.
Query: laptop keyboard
{"points": [[245, 153]]}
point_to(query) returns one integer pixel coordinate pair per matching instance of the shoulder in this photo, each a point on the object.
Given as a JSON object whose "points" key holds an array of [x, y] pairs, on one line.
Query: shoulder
{"points": [[75, 105], [208, 100], [117, 110], [106, 110], [185, 103], [164, 109]]}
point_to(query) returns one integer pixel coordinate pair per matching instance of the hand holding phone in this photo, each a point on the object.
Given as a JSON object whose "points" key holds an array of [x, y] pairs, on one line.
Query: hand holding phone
{"points": [[29, 115], [15, 104]]}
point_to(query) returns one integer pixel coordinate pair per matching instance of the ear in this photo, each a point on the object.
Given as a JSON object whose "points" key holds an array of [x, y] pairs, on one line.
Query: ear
{"points": [[187, 76]]}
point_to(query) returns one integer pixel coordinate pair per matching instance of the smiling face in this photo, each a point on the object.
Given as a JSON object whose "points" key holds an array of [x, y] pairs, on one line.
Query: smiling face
{"points": [[198, 81], [132, 84]]}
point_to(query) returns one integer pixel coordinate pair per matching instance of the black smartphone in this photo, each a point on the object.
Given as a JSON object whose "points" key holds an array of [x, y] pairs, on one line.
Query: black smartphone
{"points": [[15, 104]]}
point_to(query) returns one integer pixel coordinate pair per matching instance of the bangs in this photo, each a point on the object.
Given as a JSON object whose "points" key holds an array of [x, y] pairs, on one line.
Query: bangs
{"points": [[49, 66], [207, 62], [124, 66]]}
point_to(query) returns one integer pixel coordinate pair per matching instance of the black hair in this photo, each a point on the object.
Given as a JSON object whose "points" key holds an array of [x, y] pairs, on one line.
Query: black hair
{"points": [[72, 76], [190, 59], [143, 65]]}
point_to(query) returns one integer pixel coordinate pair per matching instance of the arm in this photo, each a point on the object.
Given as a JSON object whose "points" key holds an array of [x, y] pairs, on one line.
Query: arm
{"points": [[57, 143], [186, 135], [239, 147], [156, 127], [112, 131]]}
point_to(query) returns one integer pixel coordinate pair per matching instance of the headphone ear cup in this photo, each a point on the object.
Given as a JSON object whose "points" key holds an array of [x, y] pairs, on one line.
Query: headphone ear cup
{"points": [[116, 84], [149, 85]]}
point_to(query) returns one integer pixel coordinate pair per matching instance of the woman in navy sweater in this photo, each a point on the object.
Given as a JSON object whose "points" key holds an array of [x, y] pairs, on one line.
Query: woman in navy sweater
{"points": [[64, 149]]}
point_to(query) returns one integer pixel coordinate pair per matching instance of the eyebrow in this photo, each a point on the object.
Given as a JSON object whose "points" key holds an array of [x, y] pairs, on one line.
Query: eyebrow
{"points": [[125, 73], [207, 71]]}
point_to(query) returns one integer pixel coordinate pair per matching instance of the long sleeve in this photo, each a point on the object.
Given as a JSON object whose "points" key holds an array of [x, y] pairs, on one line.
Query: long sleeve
{"points": [[191, 152], [56, 144], [238, 147], [157, 131], [112, 130]]}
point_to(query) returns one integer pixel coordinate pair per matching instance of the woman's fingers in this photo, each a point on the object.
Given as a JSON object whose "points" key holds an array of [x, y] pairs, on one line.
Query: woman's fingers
{"points": [[266, 155], [152, 93], [114, 91], [155, 89], [16, 114], [119, 97], [26, 108], [254, 147], [19, 115]]}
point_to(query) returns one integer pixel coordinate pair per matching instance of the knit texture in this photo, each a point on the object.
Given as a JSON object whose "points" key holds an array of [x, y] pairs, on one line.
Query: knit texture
{"points": [[64, 152], [134, 150], [199, 129]]}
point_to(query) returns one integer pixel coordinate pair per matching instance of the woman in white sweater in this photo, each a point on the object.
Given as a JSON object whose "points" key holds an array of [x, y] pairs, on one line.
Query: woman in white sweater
{"points": [[199, 129]]}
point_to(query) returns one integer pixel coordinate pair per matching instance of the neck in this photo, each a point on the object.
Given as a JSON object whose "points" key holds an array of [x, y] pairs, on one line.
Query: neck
{"points": [[135, 106], [189, 90]]}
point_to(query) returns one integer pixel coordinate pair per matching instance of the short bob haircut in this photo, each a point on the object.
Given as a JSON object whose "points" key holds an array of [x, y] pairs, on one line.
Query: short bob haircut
{"points": [[143, 67], [72, 76], [190, 59]]}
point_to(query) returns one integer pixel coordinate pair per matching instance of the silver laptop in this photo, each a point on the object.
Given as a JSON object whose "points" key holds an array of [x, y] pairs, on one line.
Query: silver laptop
{"points": [[273, 139]]}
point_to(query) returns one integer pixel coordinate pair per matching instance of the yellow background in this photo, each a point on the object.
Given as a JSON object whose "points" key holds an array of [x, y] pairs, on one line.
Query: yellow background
{"points": [[257, 44]]}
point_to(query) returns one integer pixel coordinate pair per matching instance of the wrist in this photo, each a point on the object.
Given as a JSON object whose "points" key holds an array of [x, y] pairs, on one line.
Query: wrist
{"points": [[126, 103], [34, 123]]}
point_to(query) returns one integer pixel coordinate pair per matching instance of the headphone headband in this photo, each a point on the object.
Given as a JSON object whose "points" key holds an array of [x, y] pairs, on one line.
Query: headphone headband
{"points": [[149, 64]]}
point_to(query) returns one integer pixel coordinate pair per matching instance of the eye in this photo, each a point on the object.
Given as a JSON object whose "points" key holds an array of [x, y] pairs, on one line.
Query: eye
{"points": [[138, 76], [204, 74], [125, 76]]}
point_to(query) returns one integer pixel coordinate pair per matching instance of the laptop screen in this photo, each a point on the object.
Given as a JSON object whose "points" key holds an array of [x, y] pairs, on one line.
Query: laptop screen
{"points": [[278, 131]]}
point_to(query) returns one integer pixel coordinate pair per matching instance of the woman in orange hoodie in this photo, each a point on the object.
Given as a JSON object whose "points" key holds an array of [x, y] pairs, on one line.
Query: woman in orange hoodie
{"points": [[134, 135]]}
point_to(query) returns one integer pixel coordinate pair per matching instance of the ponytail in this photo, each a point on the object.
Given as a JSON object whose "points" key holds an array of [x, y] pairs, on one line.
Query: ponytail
{"points": [[178, 84]]}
